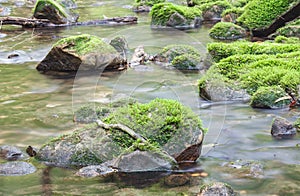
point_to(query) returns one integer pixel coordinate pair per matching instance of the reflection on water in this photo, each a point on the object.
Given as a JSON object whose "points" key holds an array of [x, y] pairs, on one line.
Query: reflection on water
{"points": [[36, 107]]}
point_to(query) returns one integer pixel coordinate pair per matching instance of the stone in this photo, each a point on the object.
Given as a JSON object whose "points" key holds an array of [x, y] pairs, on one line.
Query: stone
{"points": [[11, 153], [16, 168], [84, 52], [282, 128], [216, 189]]}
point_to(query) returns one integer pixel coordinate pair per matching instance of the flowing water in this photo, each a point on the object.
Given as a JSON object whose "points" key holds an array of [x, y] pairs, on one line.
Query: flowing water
{"points": [[36, 107]]}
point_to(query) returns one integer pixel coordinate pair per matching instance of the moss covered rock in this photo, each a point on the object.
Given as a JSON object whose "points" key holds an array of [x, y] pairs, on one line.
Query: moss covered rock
{"points": [[252, 66], [292, 29], [85, 51], [145, 5], [164, 127], [227, 31], [56, 12], [183, 57], [261, 13], [177, 16], [266, 97]]}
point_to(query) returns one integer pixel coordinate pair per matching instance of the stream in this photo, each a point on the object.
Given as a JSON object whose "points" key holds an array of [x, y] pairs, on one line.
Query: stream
{"points": [[36, 107]]}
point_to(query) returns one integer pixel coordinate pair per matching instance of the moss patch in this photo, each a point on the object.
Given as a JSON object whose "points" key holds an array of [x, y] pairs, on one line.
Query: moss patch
{"points": [[227, 31], [161, 12], [83, 44], [148, 2], [261, 13], [157, 121]]}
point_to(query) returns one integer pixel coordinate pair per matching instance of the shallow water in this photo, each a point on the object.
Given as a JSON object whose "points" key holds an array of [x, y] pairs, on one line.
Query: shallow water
{"points": [[36, 107]]}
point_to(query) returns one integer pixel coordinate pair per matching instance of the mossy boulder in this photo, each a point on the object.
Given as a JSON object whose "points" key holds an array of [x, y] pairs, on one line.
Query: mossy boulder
{"points": [[266, 97], [232, 14], [183, 57], [287, 40], [260, 14], [84, 51], [212, 10], [145, 5], [57, 12], [253, 65], [227, 31], [176, 16], [292, 29], [164, 128]]}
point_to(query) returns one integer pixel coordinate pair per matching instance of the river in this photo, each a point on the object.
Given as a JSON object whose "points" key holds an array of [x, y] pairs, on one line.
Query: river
{"points": [[35, 107]]}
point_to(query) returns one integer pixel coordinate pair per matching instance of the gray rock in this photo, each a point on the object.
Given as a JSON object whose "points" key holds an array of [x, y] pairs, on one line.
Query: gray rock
{"points": [[216, 189], [11, 153], [120, 44], [16, 168], [176, 20], [139, 56], [282, 128]]}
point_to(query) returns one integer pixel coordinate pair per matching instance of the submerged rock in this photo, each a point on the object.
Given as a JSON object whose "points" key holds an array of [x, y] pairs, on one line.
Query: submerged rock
{"points": [[84, 52], [16, 168], [56, 12], [282, 128], [216, 189]]}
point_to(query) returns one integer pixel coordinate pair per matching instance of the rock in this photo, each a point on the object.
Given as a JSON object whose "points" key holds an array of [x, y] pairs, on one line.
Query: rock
{"points": [[139, 56], [213, 13], [16, 168], [216, 189], [84, 52], [141, 8], [55, 11], [167, 14], [95, 170], [175, 180], [282, 128], [120, 44], [11, 153], [245, 168], [145, 5], [227, 31], [266, 97]]}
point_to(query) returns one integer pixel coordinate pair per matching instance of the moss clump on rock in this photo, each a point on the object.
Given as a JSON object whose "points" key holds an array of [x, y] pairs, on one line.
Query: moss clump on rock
{"points": [[148, 2], [291, 29], [157, 121], [162, 12], [227, 31], [85, 43], [287, 40], [266, 96], [261, 13], [186, 61]]}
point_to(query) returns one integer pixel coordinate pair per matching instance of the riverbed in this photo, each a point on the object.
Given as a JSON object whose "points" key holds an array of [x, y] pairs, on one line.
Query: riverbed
{"points": [[36, 107]]}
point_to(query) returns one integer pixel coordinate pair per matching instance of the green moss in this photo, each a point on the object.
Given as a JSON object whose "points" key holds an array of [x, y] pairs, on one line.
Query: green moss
{"points": [[186, 61], [236, 10], [157, 121], [219, 51], [266, 96], [172, 51], [261, 13], [227, 31], [161, 12], [222, 5], [148, 2], [287, 40], [85, 157], [83, 44], [40, 4], [297, 124]]}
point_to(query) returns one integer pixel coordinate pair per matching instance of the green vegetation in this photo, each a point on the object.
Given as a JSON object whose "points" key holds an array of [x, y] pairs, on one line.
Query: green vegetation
{"points": [[161, 12], [85, 157], [186, 61], [40, 4], [287, 40], [292, 29], [261, 13], [227, 31], [220, 51], [209, 5], [266, 96], [148, 2], [157, 121], [83, 44]]}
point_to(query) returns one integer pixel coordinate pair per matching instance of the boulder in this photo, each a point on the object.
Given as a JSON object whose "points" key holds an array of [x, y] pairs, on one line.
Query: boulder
{"points": [[216, 189], [227, 31], [145, 5], [120, 44], [176, 16], [16, 168], [56, 12], [282, 128], [84, 52]]}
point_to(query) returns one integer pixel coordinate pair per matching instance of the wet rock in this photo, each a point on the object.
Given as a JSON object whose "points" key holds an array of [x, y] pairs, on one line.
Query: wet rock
{"points": [[55, 11], [216, 189], [175, 180], [141, 8], [218, 91], [95, 170], [139, 56], [120, 44], [245, 168], [84, 52], [282, 128], [16, 168], [11, 153]]}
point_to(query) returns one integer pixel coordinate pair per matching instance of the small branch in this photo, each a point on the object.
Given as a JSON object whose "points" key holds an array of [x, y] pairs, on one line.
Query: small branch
{"points": [[121, 127]]}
